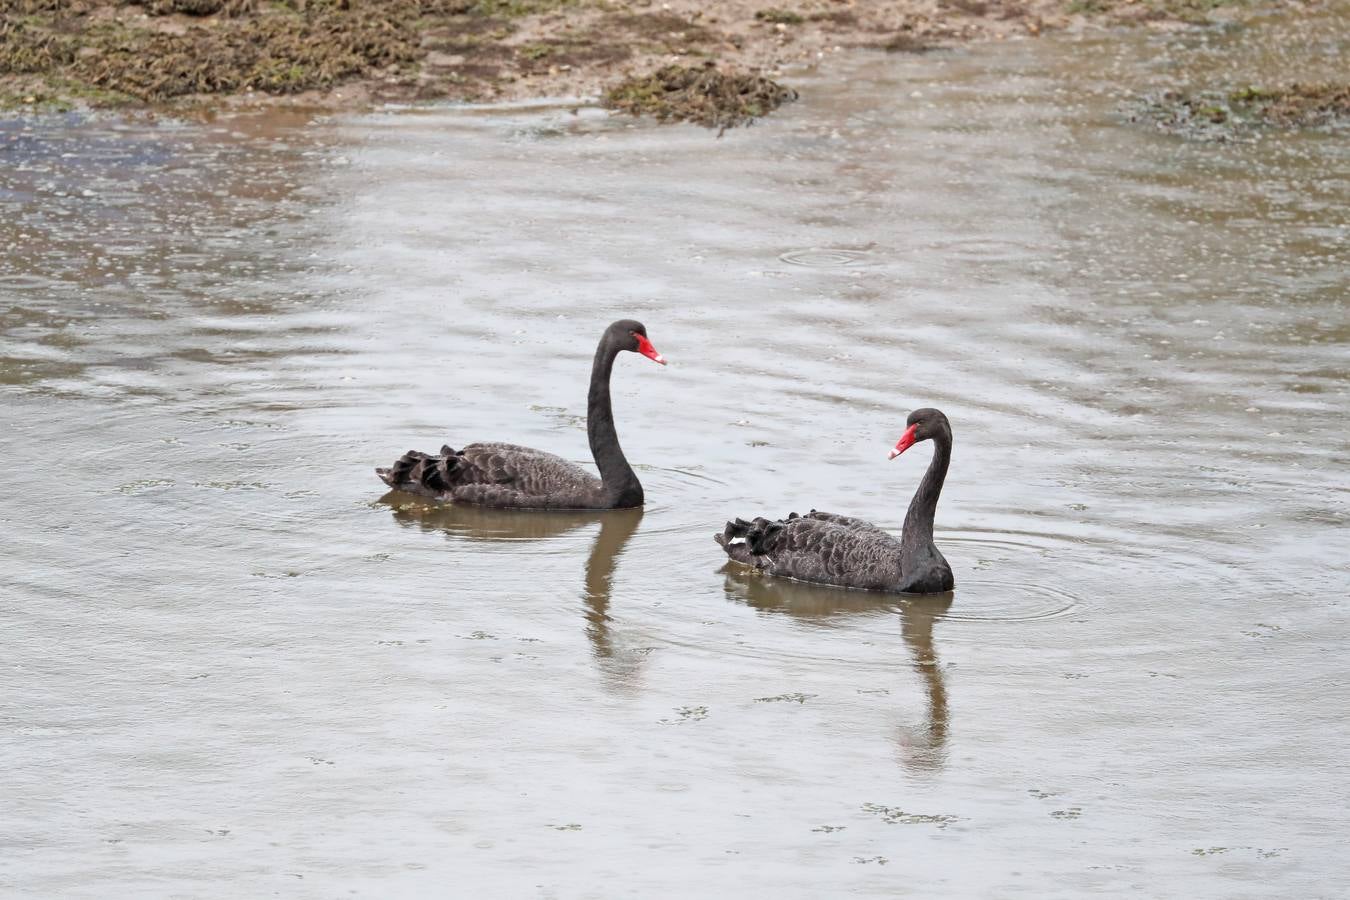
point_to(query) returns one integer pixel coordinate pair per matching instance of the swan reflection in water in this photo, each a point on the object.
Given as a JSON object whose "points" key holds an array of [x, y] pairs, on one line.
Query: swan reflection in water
{"points": [[922, 748], [480, 523]]}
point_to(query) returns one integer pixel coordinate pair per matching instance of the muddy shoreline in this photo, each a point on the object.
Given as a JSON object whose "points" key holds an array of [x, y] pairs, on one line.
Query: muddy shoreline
{"points": [[186, 55]]}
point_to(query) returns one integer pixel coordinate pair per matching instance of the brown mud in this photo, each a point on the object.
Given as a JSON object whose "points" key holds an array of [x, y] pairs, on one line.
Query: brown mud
{"points": [[343, 54]]}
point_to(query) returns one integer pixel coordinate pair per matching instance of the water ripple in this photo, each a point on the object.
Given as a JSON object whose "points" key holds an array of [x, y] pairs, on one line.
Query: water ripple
{"points": [[826, 257]]}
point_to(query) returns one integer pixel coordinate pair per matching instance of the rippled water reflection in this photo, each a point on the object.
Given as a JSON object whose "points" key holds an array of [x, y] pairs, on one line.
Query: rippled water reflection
{"points": [[232, 660]]}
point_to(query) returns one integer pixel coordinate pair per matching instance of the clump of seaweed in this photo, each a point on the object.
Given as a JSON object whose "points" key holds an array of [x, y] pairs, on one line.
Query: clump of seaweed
{"points": [[281, 48], [704, 95], [279, 54], [1297, 106], [1225, 115], [10, 8], [906, 42], [506, 9], [227, 8], [94, 51], [25, 49], [777, 16]]}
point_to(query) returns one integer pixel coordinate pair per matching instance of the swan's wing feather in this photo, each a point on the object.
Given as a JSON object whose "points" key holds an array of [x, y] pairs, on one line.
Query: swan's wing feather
{"points": [[818, 549], [842, 521], [495, 474], [515, 450]]}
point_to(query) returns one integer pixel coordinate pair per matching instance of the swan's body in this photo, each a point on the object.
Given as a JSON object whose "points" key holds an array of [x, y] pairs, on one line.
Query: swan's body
{"points": [[841, 550], [501, 475], [511, 476]]}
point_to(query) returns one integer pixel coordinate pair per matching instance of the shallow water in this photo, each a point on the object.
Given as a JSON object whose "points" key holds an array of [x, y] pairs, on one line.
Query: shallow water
{"points": [[231, 660]]}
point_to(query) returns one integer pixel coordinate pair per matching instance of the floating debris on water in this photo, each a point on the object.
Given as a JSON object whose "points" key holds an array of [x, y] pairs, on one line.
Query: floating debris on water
{"points": [[687, 714], [893, 816]]}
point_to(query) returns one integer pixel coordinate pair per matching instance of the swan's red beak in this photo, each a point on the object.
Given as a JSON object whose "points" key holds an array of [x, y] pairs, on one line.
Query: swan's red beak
{"points": [[646, 349], [906, 441]]}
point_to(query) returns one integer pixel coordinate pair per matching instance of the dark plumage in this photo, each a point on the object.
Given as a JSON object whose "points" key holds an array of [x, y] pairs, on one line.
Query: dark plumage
{"points": [[841, 550], [507, 475]]}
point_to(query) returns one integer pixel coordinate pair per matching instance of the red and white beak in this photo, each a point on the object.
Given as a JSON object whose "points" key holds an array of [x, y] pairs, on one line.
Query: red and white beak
{"points": [[646, 349], [906, 441]]}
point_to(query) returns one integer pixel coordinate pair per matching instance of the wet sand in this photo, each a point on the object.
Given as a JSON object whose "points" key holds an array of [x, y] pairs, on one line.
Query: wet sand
{"points": [[232, 661]]}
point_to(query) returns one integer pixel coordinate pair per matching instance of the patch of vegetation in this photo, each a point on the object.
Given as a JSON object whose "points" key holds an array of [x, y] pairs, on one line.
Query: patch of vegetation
{"points": [[570, 52], [515, 9], [536, 51], [1297, 106], [775, 16], [92, 51], [31, 102], [664, 31], [278, 54], [704, 95], [970, 7], [227, 8], [905, 42], [25, 49], [285, 50], [1198, 12], [1225, 115], [63, 96], [12, 8]]}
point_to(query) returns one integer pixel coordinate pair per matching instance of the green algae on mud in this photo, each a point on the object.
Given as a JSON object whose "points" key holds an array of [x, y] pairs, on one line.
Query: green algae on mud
{"points": [[705, 95], [1217, 115]]}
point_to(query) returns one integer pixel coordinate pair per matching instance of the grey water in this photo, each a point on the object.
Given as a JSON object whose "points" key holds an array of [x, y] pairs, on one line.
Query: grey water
{"points": [[233, 667]]}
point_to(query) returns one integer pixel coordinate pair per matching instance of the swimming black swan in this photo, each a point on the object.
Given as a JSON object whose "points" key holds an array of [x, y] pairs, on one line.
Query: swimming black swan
{"points": [[505, 475], [831, 549]]}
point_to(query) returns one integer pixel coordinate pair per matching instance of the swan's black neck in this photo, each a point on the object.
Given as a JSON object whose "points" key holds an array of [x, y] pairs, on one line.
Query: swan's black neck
{"points": [[917, 536], [622, 487]]}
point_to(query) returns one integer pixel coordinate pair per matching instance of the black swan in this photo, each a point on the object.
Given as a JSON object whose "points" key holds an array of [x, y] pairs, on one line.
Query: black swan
{"points": [[830, 549], [509, 476]]}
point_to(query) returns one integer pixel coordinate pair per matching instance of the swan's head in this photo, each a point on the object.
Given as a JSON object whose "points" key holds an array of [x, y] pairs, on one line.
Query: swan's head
{"points": [[629, 334], [923, 424]]}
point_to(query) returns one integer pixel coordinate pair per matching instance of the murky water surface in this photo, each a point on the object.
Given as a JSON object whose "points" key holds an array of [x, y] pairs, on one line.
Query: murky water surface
{"points": [[232, 669]]}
